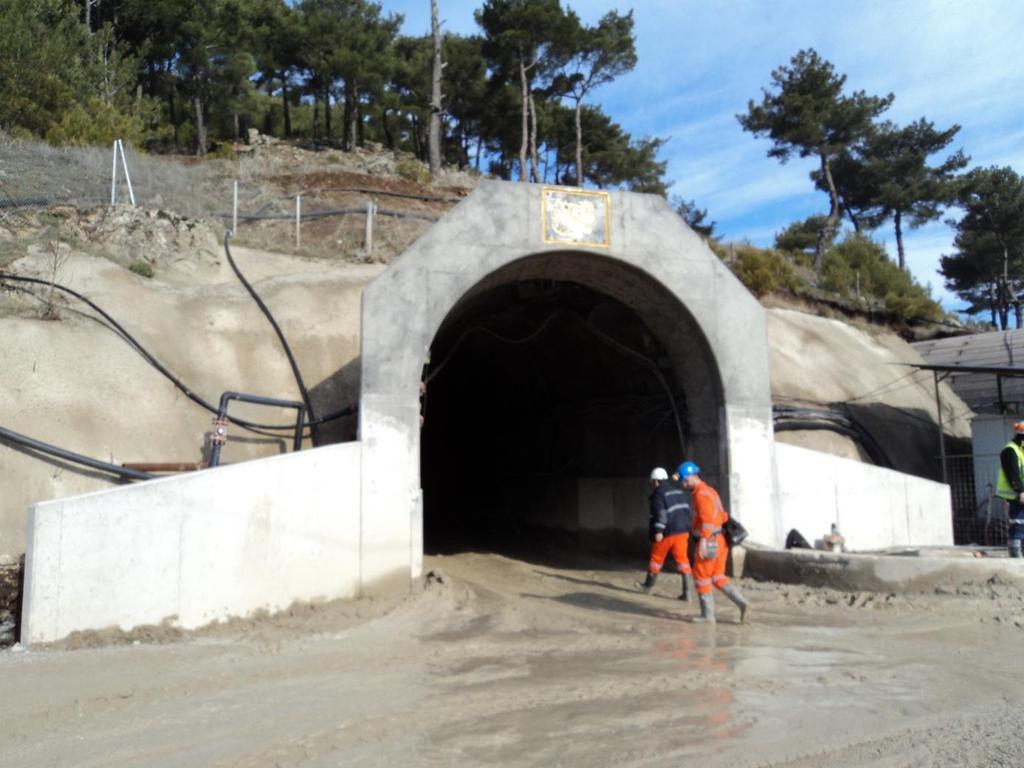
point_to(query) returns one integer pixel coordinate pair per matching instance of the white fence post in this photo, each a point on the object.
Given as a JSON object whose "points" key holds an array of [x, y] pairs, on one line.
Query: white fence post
{"points": [[368, 239], [113, 177], [234, 212], [298, 222], [127, 177]]}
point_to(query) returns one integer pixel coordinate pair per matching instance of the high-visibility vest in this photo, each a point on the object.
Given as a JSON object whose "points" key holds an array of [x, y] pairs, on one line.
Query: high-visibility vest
{"points": [[1003, 488]]}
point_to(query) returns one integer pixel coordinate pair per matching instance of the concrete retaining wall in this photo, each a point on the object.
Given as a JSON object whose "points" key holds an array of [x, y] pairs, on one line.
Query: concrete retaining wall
{"points": [[873, 507], [877, 573], [194, 549]]}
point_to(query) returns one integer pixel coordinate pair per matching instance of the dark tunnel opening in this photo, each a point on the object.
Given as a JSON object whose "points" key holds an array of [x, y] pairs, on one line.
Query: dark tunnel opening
{"points": [[546, 405]]}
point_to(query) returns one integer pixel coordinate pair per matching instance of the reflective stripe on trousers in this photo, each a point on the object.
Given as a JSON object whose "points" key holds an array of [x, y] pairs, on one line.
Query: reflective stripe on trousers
{"points": [[676, 544]]}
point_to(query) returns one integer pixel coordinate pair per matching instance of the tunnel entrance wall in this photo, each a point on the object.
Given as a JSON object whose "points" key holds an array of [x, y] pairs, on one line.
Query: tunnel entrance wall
{"points": [[347, 519], [498, 230]]}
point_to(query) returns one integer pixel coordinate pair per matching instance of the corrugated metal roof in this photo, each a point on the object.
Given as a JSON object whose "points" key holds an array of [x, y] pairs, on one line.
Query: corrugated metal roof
{"points": [[1004, 349]]}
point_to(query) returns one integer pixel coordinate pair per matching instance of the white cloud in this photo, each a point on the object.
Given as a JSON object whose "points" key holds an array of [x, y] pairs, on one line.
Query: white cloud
{"points": [[700, 62]]}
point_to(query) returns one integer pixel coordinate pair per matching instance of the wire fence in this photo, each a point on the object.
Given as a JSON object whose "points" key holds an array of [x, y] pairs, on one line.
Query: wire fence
{"points": [[36, 174], [272, 202], [328, 221], [979, 516]]}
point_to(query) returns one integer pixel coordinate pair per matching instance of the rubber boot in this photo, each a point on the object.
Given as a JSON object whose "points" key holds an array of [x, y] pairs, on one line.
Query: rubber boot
{"points": [[647, 586], [707, 609], [730, 591], [685, 595], [1013, 545]]}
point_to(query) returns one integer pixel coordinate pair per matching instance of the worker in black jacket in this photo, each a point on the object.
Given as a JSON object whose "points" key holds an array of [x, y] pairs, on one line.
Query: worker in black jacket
{"points": [[669, 528]]}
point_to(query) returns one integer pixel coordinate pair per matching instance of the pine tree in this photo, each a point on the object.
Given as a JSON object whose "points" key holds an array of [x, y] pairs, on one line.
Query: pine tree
{"points": [[521, 41], [990, 241], [808, 115], [594, 56]]}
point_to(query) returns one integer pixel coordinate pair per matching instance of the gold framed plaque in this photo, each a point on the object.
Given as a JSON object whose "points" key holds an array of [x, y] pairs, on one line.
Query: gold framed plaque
{"points": [[575, 216]]}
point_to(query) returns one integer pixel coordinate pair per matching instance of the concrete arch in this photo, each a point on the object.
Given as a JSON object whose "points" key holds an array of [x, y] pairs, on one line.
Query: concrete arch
{"points": [[647, 259]]}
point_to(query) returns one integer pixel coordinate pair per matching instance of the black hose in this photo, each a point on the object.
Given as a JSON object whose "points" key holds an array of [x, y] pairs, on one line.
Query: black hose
{"points": [[801, 426], [62, 453], [313, 430], [863, 438], [834, 415], [838, 414], [142, 350], [313, 215], [348, 410], [874, 448]]}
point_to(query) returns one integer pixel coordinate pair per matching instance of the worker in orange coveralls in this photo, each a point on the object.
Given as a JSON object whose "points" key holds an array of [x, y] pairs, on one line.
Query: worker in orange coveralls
{"points": [[712, 550], [669, 531]]}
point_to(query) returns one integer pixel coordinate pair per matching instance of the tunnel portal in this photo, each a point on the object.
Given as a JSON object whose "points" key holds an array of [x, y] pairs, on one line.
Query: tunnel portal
{"points": [[547, 403], [569, 340], [536, 386]]}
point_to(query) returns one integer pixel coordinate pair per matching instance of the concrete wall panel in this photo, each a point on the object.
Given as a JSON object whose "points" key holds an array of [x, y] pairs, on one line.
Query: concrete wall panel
{"points": [[873, 507], [753, 497], [194, 549], [389, 501]]}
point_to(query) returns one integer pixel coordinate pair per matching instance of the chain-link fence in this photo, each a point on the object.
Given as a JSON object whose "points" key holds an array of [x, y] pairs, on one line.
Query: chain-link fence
{"points": [[283, 198], [361, 223], [979, 516], [34, 173]]}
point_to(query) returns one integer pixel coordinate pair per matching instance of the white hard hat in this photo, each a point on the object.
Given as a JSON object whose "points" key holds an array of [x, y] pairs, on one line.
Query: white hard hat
{"points": [[659, 474]]}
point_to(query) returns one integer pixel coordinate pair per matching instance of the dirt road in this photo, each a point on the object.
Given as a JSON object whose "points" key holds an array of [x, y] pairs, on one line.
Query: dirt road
{"points": [[511, 663]]}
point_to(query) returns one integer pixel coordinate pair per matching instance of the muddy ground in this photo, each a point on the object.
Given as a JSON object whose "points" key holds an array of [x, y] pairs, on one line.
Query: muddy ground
{"points": [[516, 663]]}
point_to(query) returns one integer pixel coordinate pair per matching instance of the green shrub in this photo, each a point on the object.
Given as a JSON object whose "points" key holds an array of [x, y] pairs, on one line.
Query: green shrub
{"points": [[836, 274], [413, 170], [186, 137], [801, 237], [222, 151], [141, 268], [20, 133], [333, 159], [867, 259], [48, 219], [858, 259], [718, 248], [762, 270], [917, 305], [92, 124]]}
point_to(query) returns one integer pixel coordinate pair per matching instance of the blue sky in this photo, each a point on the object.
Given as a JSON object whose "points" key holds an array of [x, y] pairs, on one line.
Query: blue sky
{"points": [[701, 61]]}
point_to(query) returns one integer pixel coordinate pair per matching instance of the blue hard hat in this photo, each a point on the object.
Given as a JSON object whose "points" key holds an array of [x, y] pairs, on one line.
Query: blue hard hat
{"points": [[688, 468]]}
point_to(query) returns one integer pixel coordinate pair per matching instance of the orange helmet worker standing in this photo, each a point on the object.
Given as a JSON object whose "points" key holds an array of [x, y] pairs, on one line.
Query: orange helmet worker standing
{"points": [[712, 549]]}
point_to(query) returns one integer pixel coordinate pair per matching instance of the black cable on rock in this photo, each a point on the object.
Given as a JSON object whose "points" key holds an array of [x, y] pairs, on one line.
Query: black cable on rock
{"points": [[313, 430], [348, 410], [17, 438], [141, 350]]}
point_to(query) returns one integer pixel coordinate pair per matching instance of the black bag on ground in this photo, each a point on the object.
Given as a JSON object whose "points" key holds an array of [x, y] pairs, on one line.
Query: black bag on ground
{"points": [[734, 532], [795, 541]]}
